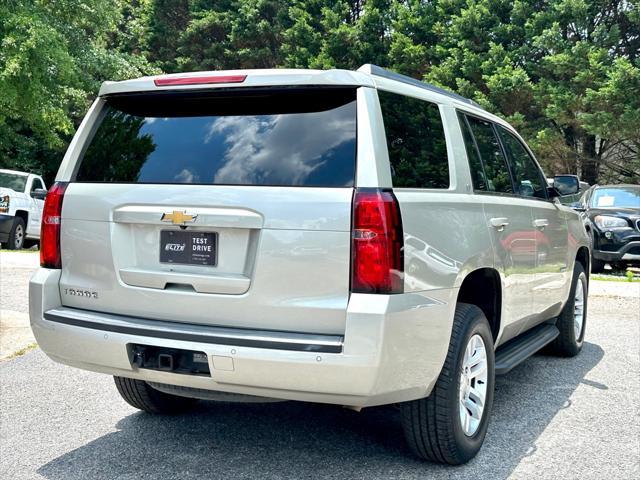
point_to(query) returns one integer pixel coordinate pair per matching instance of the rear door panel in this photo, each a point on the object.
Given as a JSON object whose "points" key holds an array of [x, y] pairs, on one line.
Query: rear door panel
{"points": [[553, 277], [515, 250]]}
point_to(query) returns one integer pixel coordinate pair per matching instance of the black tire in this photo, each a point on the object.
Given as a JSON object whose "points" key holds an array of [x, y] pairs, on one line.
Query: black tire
{"points": [[16, 235], [432, 425], [140, 395], [566, 344]]}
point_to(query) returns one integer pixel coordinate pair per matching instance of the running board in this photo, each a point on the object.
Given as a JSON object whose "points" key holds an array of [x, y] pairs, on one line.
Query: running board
{"points": [[522, 347]]}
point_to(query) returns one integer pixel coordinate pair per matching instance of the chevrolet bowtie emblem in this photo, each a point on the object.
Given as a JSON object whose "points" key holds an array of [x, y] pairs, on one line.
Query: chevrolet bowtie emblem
{"points": [[177, 217]]}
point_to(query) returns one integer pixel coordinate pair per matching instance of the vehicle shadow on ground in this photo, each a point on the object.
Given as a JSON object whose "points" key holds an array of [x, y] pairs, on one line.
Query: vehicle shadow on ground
{"points": [[297, 440]]}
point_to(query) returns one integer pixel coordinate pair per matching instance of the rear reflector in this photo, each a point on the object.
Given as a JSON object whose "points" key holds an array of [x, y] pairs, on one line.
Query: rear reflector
{"points": [[50, 229], [171, 81], [377, 243]]}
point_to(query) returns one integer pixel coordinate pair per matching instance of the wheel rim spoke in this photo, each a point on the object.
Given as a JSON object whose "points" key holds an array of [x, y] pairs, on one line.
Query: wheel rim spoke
{"points": [[467, 420], [473, 409], [479, 370], [477, 397]]}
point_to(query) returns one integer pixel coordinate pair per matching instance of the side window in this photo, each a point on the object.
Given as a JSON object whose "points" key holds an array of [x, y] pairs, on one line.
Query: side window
{"points": [[529, 180], [478, 176], [496, 170], [416, 142]]}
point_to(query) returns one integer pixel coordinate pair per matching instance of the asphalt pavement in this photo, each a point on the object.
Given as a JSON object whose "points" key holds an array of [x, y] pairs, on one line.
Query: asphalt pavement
{"points": [[553, 418]]}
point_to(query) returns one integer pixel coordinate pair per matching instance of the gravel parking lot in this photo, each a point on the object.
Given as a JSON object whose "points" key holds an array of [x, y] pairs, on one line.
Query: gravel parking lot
{"points": [[553, 418]]}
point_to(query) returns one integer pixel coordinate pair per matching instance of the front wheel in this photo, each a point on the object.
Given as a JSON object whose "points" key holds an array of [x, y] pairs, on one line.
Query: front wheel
{"points": [[572, 320], [16, 235], [449, 426]]}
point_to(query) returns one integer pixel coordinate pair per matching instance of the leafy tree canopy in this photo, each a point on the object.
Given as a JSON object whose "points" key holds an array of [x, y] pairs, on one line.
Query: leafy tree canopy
{"points": [[566, 73], [53, 57]]}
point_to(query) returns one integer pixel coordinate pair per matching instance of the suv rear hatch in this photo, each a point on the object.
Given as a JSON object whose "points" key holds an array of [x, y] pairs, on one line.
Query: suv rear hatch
{"points": [[220, 207]]}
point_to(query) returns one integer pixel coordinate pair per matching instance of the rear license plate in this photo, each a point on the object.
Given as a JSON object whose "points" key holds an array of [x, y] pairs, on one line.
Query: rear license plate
{"points": [[188, 248]]}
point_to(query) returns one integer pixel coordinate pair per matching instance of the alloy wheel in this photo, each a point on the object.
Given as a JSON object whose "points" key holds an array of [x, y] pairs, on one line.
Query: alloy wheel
{"points": [[473, 385], [18, 237]]}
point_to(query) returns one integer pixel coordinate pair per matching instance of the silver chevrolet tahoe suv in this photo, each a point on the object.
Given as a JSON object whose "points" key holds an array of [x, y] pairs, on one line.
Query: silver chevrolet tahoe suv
{"points": [[354, 238]]}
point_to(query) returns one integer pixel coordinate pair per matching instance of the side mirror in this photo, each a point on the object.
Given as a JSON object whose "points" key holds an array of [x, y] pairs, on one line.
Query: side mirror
{"points": [[578, 207], [39, 193], [566, 184]]}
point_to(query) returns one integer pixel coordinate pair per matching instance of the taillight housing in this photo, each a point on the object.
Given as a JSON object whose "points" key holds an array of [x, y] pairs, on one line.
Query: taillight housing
{"points": [[377, 257], [50, 256]]}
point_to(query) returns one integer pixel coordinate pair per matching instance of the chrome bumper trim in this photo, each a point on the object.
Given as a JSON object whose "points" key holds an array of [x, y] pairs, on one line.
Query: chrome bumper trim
{"points": [[275, 340]]}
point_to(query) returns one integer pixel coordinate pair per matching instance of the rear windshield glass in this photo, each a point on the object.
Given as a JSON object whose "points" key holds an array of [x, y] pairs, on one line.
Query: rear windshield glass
{"points": [[292, 137]]}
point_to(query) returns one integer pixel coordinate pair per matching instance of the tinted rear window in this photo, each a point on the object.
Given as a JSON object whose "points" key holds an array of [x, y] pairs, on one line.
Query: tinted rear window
{"points": [[303, 137]]}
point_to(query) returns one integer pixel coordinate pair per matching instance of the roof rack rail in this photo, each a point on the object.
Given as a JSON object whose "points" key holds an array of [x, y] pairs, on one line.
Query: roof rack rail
{"points": [[384, 73]]}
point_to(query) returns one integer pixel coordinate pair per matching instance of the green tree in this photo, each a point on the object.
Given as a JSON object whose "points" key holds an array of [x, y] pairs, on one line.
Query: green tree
{"points": [[166, 20], [563, 72], [53, 57], [119, 149]]}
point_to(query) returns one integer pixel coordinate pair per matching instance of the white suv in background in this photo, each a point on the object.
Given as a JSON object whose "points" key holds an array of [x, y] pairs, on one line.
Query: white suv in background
{"points": [[355, 238], [21, 201]]}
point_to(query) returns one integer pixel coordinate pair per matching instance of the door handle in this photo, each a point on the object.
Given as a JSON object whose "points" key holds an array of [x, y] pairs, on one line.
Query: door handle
{"points": [[499, 223], [541, 223]]}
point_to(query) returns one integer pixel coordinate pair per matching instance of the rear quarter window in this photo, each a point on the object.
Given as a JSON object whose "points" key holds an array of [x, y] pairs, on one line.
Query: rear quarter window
{"points": [[415, 140], [284, 137]]}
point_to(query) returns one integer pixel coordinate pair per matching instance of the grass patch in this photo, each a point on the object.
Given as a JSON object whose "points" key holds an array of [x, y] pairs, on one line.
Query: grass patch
{"points": [[22, 351], [607, 278], [24, 250]]}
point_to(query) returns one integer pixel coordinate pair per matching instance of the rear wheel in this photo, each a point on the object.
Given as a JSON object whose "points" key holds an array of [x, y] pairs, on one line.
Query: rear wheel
{"points": [[449, 426], [142, 396], [572, 320], [16, 236]]}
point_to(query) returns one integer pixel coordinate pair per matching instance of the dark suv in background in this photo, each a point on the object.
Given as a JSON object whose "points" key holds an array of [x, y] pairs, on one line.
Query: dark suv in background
{"points": [[612, 219]]}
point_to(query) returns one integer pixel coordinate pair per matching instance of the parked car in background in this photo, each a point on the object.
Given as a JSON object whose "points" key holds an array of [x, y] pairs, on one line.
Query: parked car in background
{"points": [[21, 202], [354, 238], [611, 215]]}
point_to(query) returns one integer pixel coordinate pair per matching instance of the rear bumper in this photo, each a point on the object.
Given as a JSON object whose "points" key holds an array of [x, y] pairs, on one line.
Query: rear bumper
{"points": [[392, 350]]}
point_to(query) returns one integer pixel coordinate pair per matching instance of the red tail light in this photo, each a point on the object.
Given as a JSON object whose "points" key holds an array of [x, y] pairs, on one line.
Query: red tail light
{"points": [[377, 243], [170, 81], [50, 229]]}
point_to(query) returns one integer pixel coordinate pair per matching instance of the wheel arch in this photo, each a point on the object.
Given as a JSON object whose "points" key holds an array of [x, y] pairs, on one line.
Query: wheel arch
{"points": [[473, 290], [24, 215]]}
